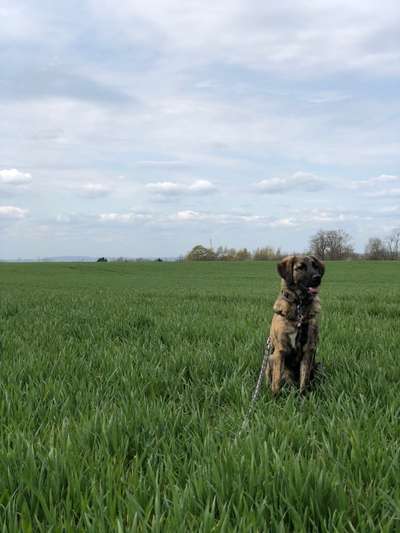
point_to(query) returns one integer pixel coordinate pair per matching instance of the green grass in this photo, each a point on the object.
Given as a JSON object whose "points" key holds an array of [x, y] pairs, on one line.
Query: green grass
{"points": [[122, 387]]}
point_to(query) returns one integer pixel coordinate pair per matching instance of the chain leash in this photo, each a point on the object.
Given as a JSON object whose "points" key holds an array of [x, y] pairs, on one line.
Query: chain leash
{"points": [[267, 353]]}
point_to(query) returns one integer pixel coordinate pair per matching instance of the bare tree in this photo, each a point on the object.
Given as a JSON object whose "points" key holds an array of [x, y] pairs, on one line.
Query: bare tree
{"points": [[393, 244], [319, 245], [332, 244], [375, 249]]}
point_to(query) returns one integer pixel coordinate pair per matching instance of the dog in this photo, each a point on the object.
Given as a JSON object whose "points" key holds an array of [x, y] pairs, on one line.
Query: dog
{"points": [[295, 325]]}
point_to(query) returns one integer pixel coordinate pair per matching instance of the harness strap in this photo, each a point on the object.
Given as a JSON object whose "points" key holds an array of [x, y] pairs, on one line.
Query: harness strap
{"points": [[300, 307]]}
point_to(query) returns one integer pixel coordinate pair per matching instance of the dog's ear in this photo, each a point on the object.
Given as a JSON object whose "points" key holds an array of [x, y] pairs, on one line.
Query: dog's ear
{"points": [[285, 268], [321, 265]]}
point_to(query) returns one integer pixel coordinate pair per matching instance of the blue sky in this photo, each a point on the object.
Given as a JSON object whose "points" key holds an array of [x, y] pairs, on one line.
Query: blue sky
{"points": [[144, 128]]}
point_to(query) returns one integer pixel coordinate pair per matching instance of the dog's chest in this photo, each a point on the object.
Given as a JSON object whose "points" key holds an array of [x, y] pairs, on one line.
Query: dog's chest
{"points": [[292, 339], [298, 338]]}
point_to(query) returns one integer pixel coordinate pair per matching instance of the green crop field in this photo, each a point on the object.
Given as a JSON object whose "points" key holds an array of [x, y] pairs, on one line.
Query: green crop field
{"points": [[122, 387]]}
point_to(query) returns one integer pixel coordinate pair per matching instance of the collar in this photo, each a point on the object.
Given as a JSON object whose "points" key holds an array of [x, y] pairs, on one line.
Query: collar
{"points": [[301, 301], [298, 298]]}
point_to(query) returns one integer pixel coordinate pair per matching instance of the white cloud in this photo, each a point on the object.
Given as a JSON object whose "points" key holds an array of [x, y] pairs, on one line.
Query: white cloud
{"points": [[65, 218], [94, 190], [322, 37], [249, 91], [189, 215], [172, 188], [383, 179], [384, 193], [390, 210], [326, 97], [298, 181], [20, 24], [10, 212], [124, 218], [330, 216], [163, 163], [202, 186], [383, 186], [284, 223], [12, 176], [295, 219], [79, 219], [166, 187], [231, 218]]}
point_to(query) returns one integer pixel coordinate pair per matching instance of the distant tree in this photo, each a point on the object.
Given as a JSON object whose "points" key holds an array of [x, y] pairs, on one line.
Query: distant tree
{"points": [[375, 249], [220, 253], [393, 244], [243, 255], [102, 260], [332, 244], [225, 253], [267, 253], [263, 254], [201, 253], [319, 245]]}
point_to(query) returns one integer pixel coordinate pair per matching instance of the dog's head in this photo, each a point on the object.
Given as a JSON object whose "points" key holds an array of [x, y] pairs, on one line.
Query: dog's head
{"points": [[302, 272]]}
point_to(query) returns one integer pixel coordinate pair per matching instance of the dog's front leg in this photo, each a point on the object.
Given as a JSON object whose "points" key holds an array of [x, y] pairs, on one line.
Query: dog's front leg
{"points": [[276, 364], [305, 370], [307, 360]]}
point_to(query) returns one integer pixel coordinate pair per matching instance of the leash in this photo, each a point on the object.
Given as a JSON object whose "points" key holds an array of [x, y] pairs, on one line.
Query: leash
{"points": [[267, 353]]}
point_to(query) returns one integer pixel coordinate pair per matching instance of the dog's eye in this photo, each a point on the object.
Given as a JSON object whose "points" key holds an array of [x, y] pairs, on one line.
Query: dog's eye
{"points": [[302, 266]]}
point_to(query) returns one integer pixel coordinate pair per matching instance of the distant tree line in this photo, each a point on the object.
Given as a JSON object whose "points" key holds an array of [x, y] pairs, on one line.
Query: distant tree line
{"points": [[131, 259], [201, 253], [326, 245], [388, 248]]}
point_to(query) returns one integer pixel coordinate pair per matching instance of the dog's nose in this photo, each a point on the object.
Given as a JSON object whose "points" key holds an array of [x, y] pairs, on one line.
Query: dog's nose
{"points": [[316, 277]]}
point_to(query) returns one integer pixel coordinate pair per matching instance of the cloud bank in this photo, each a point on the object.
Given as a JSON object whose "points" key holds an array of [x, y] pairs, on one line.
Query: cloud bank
{"points": [[154, 126]]}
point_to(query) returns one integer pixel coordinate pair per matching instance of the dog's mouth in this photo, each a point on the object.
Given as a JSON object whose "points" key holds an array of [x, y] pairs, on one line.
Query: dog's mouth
{"points": [[313, 290]]}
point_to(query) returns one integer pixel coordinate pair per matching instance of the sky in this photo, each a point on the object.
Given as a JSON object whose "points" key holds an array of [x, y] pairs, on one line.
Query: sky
{"points": [[141, 129]]}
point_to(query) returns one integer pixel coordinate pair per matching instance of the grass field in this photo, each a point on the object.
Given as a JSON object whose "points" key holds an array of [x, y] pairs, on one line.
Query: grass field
{"points": [[122, 387]]}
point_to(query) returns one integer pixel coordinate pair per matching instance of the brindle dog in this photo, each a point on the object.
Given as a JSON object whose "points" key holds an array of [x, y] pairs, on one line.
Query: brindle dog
{"points": [[294, 328]]}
